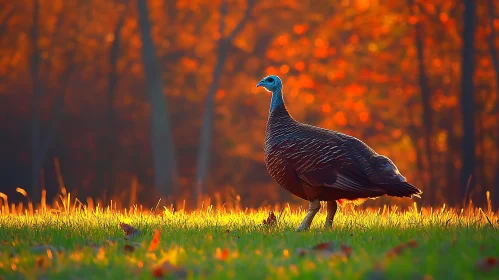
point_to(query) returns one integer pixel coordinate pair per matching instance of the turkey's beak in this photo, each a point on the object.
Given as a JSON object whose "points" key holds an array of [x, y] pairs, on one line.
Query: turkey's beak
{"points": [[260, 83]]}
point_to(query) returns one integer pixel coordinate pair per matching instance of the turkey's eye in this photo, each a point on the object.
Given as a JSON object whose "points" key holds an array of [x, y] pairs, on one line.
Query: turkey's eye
{"points": [[270, 80]]}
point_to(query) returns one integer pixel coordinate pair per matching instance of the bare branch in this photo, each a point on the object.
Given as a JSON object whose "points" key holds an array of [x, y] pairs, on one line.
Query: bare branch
{"points": [[171, 10], [239, 27], [491, 41], [5, 21], [223, 14]]}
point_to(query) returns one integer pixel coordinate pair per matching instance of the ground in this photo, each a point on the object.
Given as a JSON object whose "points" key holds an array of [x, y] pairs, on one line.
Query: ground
{"points": [[221, 244]]}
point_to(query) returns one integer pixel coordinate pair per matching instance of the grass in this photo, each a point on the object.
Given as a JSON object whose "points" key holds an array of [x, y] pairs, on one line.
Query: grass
{"points": [[82, 243]]}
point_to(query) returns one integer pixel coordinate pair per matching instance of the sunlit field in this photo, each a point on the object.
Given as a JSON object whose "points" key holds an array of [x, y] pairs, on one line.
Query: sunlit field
{"points": [[74, 241]]}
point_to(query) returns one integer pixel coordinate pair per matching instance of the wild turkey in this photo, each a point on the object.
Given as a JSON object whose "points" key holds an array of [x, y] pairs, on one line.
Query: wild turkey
{"points": [[318, 164]]}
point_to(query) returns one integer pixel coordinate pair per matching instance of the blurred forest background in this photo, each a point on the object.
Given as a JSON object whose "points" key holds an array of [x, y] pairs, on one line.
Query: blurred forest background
{"points": [[133, 100]]}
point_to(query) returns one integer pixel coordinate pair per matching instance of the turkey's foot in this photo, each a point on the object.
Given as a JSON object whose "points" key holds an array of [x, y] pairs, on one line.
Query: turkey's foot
{"points": [[332, 206], [313, 208]]}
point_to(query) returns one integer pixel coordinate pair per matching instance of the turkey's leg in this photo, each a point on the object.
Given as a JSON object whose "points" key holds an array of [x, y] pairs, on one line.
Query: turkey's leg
{"points": [[313, 208], [332, 206]]}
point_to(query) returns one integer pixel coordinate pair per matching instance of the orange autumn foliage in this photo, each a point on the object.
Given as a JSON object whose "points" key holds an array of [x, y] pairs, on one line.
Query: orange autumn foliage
{"points": [[350, 66]]}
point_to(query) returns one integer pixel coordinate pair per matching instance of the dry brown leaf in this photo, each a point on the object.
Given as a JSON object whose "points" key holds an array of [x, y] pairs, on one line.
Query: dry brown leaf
{"points": [[301, 252], [166, 268], [327, 250], [155, 241], [412, 243], [396, 251], [487, 263], [41, 262], [130, 231], [128, 248], [347, 250], [271, 219], [323, 246], [399, 249]]}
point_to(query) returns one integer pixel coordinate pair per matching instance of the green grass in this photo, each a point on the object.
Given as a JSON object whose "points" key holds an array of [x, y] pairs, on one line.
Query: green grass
{"points": [[85, 244]]}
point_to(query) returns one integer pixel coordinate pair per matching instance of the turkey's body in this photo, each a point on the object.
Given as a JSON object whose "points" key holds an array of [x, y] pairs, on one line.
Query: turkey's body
{"points": [[319, 164]]}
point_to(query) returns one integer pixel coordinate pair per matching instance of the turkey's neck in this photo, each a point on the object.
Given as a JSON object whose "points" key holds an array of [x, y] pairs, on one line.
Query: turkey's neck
{"points": [[276, 100]]}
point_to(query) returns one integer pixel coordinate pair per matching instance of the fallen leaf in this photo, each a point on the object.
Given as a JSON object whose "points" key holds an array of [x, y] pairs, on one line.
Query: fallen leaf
{"points": [[396, 251], [166, 268], [222, 254], [155, 241], [130, 232], [327, 250], [323, 246], [301, 252], [271, 219], [128, 248], [347, 250], [412, 243], [487, 263], [41, 261], [399, 249]]}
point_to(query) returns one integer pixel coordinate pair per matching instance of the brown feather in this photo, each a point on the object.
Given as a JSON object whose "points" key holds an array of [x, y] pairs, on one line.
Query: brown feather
{"points": [[316, 163]]}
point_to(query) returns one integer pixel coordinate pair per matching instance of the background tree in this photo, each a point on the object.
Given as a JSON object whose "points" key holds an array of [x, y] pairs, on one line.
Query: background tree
{"points": [[493, 22], [161, 137], [36, 160], [358, 67], [467, 101], [205, 138]]}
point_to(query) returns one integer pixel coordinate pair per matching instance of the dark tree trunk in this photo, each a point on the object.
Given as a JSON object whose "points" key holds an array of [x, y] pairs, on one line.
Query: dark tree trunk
{"points": [[427, 115], [5, 21], [452, 197], [41, 146], [467, 102], [36, 163], [163, 150], [414, 134], [203, 160], [495, 61], [105, 174], [481, 176], [171, 10]]}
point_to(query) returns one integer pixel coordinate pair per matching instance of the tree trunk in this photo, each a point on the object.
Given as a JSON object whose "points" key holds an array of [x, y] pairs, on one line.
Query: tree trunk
{"points": [[453, 197], [5, 20], [171, 10], [105, 175], [36, 163], [481, 175], [164, 163], [41, 148], [467, 102], [495, 61], [425, 90], [203, 160]]}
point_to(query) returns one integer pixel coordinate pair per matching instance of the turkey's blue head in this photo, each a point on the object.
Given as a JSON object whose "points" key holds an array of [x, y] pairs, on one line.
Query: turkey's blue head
{"points": [[271, 83]]}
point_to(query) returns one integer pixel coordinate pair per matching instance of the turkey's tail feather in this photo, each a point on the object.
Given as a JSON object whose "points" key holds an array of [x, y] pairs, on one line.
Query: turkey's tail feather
{"points": [[401, 190]]}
